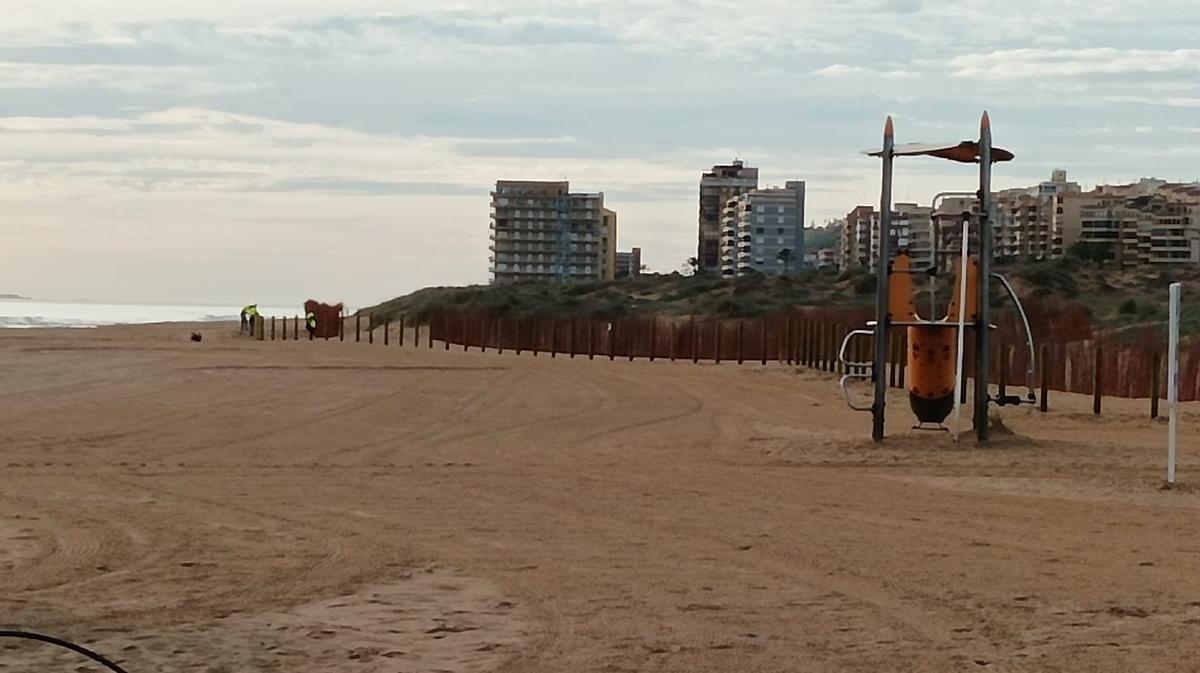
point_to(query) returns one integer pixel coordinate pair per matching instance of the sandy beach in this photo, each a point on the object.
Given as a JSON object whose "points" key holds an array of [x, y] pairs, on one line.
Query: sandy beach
{"points": [[236, 506]]}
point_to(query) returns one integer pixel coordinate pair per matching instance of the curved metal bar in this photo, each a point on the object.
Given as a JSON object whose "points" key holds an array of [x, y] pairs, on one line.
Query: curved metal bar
{"points": [[78, 649], [1029, 373], [855, 371]]}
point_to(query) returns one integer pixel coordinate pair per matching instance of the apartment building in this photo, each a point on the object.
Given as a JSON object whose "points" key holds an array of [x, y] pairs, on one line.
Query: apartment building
{"points": [[857, 232], [1027, 223], [763, 230], [717, 187], [629, 264], [825, 258], [1147, 222], [543, 231], [608, 243]]}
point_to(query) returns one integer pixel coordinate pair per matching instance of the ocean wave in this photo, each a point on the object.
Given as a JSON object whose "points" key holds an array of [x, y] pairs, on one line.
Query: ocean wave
{"points": [[29, 321]]}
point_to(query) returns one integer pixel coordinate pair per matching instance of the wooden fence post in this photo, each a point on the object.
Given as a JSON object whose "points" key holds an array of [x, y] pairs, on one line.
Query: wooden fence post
{"points": [[695, 338], [633, 340], [717, 330], [762, 340], [591, 328], [387, 330], [400, 336], [341, 326], [1154, 383], [416, 334], [1097, 379], [787, 341], [357, 327], [1003, 382], [499, 336], [741, 336], [429, 336], [553, 339], [653, 337], [272, 328], [517, 348], [370, 329], [612, 339], [674, 335], [822, 348], [571, 337], [804, 345], [1044, 371], [295, 328]]}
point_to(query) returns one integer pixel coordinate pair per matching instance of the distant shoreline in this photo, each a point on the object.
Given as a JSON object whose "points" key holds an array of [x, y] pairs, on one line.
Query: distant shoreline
{"points": [[12, 296]]}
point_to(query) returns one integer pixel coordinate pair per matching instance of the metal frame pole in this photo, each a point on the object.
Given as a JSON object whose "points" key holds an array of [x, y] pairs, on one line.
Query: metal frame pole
{"points": [[1172, 383], [982, 362], [881, 285]]}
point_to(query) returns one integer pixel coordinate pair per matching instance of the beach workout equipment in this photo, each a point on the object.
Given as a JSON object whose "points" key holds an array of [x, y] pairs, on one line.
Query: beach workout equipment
{"points": [[934, 357], [1172, 383]]}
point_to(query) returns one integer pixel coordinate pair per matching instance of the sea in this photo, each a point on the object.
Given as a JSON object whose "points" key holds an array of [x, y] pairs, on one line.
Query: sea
{"points": [[24, 313]]}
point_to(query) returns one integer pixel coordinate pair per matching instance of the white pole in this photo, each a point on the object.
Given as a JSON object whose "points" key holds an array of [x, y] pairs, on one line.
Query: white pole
{"points": [[962, 326], [1173, 383]]}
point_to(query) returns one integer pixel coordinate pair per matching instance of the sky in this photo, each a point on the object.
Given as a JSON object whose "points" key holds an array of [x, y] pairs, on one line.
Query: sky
{"points": [[343, 150]]}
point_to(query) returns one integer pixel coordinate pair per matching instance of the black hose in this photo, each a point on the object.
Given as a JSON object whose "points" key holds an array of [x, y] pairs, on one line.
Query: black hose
{"points": [[25, 635]]}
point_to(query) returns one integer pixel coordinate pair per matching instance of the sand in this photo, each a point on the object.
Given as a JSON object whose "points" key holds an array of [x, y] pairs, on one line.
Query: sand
{"points": [[237, 506]]}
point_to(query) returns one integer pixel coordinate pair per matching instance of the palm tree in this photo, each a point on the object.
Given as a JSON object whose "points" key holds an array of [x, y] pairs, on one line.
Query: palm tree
{"points": [[785, 258]]}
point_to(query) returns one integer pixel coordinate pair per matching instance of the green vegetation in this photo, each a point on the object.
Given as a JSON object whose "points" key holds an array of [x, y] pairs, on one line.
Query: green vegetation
{"points": [[1112, 298], [828, 236], [671, 294]]}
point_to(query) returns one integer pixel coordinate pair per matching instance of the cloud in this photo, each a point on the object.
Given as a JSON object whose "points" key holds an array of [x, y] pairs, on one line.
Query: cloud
{"points": [[182, 80], [841, 70], [1041, 63], [1161, 101]]}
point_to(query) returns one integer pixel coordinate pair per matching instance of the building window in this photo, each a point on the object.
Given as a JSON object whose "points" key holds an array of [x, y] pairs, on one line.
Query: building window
{"points": [[758, 230], [780, 210], [779, 231]]}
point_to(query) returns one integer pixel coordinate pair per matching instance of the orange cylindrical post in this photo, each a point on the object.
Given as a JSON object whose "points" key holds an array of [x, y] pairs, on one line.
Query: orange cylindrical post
{"points": [[931, 363]]}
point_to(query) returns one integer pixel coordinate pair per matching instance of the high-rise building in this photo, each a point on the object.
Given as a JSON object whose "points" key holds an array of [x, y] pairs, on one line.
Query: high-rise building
{"points": [[542, 231], [717, 186], [629, 264], [763, 230]]}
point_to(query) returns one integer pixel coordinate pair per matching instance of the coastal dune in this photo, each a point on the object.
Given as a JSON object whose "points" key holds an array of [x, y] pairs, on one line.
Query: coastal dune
{"points": [[332, 506]]}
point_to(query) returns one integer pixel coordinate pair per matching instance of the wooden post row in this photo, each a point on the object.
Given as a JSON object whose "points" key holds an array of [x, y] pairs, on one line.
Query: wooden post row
{"points": [[1097, 379]]}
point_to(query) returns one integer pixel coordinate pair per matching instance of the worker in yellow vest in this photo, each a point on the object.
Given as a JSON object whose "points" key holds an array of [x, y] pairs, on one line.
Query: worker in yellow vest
{"points": [[310, 323], [248, 315]]}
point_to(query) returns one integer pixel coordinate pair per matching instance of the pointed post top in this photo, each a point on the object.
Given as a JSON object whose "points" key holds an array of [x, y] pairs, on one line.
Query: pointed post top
{"points": [[888, 128], [986, 122]]}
